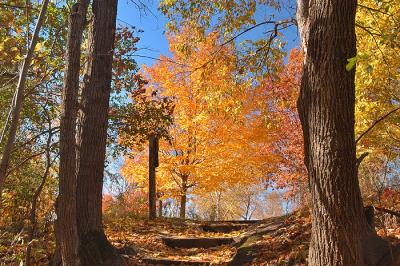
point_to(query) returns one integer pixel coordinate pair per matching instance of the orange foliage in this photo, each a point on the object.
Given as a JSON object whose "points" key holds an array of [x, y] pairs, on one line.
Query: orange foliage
{"points": [[219, 136], [281, 96], [132, 202]]}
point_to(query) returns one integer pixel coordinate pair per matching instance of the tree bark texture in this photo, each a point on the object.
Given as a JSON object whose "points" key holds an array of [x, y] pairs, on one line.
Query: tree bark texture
{"points": [[66, 211], [153, 154], [326, 107], [93, 119], [19, 97]]}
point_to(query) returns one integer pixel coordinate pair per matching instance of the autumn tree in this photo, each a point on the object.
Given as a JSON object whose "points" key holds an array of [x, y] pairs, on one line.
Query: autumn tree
{"points": [[66, 211], [19, 98], [146, 119], [340, 232], [30, 188], [204, 152], [327, 114], [31, 181], [377, 90], [281, 96], [94, 248]]}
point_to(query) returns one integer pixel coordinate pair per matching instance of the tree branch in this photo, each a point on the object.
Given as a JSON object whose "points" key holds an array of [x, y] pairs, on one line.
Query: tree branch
{"points": [[394, 213], [375, 123]]}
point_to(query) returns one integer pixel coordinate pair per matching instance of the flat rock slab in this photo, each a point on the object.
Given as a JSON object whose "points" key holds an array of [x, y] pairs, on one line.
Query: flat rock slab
{"points": [[196, 242], [168, 261], [249, 222], [223, 228]]}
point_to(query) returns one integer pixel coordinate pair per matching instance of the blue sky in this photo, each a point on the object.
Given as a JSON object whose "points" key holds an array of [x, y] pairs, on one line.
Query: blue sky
{"points": [[153, 40]]}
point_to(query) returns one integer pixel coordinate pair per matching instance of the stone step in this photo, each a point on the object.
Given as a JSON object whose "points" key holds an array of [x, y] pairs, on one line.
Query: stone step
{"points": [[169, 261], [223, 228], [196, 242], [248, 222]]}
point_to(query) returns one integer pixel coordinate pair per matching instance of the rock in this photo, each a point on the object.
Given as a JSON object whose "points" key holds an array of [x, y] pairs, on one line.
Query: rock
{"points": [[223, 228], [196, 242], [128, 250]]}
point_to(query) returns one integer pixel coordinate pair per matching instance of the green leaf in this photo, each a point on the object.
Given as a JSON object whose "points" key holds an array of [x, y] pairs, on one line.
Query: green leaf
{"points": [[351, 63]]}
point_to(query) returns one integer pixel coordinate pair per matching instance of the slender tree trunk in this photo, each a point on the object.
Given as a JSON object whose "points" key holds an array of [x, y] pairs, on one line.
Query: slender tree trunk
{"points": [[19, 98], [160, 208], [153, 156], [218, 206], [182, 210], [93, 119], [326, 107], [32, 216], [66, 211]]}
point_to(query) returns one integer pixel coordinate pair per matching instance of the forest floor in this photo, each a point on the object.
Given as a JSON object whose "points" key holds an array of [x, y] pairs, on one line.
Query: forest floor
{"points": [[278, 241], [274, 241]]}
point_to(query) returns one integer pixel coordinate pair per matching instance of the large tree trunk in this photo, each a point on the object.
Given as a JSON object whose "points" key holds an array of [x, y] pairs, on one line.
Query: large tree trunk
{"points": [[153, 163], [19, 97], [93, 118], [66, 211], [326, 106]]}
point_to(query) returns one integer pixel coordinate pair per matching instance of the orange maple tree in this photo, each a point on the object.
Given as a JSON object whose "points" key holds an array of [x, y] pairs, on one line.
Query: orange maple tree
{"points": [[219, 136]]}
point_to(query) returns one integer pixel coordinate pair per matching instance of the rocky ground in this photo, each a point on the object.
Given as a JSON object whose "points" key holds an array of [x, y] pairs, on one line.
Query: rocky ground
{"points": [[275, 241]]}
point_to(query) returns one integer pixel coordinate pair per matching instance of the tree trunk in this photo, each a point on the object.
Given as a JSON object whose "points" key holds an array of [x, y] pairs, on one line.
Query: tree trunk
{"points": [[19, 97], [93, 119], [160, 208], [32, 216], [153, 152], [218, 206], [326, 107], [66, 211], [182, 210]]}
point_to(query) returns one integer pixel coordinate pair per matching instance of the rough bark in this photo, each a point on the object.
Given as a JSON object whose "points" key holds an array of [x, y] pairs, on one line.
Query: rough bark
{"points": [[94, 247], [153, 152], [340, 232], [66, 211], [19, 97]]}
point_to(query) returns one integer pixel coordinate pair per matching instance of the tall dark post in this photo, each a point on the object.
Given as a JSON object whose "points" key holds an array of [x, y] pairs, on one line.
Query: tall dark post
{"points": [[153, 163]]}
